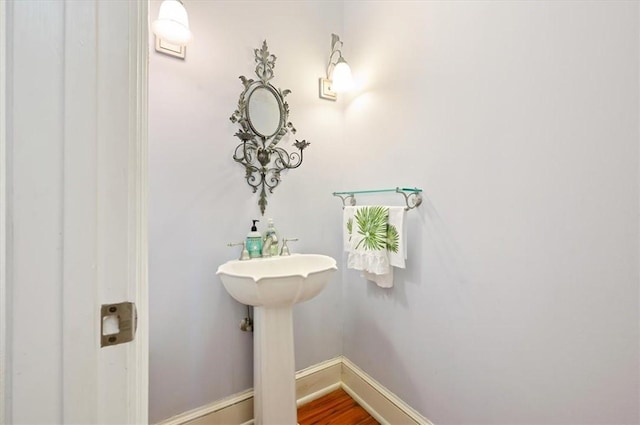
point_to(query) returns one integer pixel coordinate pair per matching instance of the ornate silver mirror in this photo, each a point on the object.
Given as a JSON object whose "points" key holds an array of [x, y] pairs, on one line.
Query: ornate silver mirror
{"points": [[265, 111], [263, 116]]}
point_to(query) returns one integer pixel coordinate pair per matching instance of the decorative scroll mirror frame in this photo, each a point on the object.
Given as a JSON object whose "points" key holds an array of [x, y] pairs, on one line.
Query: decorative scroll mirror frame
{"points": [[258, 151]]}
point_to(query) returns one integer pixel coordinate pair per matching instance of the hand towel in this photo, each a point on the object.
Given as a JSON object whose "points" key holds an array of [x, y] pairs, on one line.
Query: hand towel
{"points": [[397, 217], [347, 225], [396, 247], [368, 244], [375, 238]]}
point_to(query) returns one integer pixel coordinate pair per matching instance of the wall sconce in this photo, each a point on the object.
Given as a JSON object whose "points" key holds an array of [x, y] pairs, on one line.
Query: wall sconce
{"points": [[338, 73], [172, 29]]}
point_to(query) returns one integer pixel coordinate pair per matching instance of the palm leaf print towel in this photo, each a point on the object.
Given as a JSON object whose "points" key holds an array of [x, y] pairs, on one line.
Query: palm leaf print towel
{"points": [[371, 240]]}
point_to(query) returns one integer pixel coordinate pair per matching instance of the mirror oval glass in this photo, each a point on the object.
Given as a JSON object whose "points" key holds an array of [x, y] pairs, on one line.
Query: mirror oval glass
{"points": [[264, 112]]}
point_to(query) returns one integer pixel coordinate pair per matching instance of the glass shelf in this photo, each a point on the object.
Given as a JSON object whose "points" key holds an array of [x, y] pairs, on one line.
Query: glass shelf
{"points": [[412, 195]]}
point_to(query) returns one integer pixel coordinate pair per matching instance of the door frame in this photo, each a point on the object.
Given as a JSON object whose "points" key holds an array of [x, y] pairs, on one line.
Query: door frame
{"points": [[139, 62], [138, 355], [4, 361]]}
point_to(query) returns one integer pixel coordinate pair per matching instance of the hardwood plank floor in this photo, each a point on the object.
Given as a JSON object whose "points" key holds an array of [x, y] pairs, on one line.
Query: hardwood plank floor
{"points": [[335, 408]]}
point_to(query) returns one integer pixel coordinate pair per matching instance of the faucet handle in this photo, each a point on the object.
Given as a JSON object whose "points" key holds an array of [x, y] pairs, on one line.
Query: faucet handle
{"points": [[285, 248], [245, 253]]}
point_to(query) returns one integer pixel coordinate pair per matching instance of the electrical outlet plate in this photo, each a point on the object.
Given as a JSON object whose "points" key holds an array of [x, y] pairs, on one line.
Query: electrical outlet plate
{"points": [[325, 90]]}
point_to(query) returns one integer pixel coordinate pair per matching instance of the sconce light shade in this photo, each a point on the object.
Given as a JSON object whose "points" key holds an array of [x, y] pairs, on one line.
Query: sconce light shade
{"points": [[341, 78], [338, 73], [172, 24]]}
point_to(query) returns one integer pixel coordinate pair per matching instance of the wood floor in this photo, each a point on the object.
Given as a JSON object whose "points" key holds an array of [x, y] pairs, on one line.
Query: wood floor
{"points": [[335, 408]]}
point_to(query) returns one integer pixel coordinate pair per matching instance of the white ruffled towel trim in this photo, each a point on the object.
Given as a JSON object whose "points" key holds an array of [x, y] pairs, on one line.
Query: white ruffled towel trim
{"points": [[375, 239]]}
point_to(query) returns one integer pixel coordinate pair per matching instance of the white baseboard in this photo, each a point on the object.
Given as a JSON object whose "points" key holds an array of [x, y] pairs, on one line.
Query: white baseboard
{"points": [[381, 403], [236, 409], [318, 380], [312, 383]]}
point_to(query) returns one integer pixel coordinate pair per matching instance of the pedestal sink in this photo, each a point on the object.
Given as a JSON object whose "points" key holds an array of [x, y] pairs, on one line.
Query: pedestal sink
{"points": [[273, 285]]}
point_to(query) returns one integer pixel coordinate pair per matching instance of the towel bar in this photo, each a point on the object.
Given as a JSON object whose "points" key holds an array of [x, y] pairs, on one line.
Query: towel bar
{"points": [[412, 196]]}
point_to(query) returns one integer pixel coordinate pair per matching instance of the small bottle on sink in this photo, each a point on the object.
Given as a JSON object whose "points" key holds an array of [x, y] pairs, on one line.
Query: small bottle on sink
{"points": [[254, 241], [271, 233]]}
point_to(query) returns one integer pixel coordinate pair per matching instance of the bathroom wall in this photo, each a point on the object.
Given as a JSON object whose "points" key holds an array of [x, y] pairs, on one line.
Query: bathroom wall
{"points": [[519, 304], [199, 200]]}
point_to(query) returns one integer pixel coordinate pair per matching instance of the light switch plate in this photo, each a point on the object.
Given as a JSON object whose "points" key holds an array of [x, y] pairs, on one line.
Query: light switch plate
{"points": [[325, 90], [175, 50]]}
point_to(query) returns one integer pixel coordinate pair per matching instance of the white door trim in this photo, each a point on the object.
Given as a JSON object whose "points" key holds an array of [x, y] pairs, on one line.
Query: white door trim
{"points": [[105, 209], [3, 214], [138, 111], [104, 213]]}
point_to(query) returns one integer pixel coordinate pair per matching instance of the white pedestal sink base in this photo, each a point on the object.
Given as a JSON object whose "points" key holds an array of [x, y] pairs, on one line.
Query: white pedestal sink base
{"points": [[274, 373], [273, 285]]}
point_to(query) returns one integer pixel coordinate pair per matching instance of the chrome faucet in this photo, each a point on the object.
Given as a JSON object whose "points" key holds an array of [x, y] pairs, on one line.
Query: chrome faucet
{"points": [[285, 249], [245, 254], [267, 244]]}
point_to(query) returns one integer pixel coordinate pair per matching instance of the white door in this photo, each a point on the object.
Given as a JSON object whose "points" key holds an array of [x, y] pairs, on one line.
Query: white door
{"points": [[73, 209]]}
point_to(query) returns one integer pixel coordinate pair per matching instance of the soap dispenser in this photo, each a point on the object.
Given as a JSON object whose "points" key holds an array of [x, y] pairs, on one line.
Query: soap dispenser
{"points": [[254, 241]]}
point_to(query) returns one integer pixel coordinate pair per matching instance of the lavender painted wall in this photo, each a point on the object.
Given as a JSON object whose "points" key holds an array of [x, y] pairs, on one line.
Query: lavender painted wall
{"points": [[199, 200], [519, 304]]}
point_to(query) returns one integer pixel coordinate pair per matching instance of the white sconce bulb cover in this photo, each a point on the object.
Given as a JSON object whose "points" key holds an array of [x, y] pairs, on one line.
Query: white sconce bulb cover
{"points": [[172, 24], [341, 78]]}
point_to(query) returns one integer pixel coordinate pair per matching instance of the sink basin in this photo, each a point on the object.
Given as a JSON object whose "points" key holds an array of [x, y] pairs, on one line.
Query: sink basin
{"points": [[273, 285], [277, 281]]}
